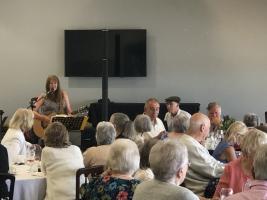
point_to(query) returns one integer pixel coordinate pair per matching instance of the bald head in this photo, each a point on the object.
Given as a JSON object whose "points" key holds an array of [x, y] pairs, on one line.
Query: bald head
{"points": [[199, 126]]}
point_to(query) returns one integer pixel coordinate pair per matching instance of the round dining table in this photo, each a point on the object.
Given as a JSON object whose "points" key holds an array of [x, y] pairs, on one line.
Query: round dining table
{"points": [[28, 185]]}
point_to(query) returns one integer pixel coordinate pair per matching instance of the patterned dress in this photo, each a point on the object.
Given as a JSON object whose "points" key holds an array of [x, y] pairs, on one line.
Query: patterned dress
{"points": [[110, 188]]}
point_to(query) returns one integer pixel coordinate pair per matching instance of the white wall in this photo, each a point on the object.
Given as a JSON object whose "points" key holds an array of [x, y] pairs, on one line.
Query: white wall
{"points": [[200, 50]]}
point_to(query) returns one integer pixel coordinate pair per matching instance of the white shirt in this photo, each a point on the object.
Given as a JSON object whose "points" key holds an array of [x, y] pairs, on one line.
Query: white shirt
{"points": [[203, 166], [15, 143], [60, 166], [157, 127], [169, 117]]}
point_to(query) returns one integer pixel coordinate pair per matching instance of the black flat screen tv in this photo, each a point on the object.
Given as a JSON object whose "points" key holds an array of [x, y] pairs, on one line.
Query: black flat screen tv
{"points": [[124, 49]]}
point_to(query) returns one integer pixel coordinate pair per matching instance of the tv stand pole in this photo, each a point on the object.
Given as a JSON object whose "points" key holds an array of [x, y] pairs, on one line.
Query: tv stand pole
{"points": [[105, 80]]}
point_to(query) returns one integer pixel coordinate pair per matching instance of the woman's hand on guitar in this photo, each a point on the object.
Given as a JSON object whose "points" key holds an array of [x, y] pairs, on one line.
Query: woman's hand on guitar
{"points": [[42, 118]]}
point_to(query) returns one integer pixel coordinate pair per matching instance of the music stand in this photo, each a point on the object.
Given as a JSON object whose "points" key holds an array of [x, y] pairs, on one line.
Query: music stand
{"points": [[71, 123]]}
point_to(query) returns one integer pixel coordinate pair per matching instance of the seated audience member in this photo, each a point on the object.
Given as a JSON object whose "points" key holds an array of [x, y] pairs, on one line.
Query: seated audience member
{"points": [[129, 132], [143, 127], [145, 173], [60, 161], [169, 163], [4, 167], [179, 126], [119, 121], [14, 139], [117, 183], [105, 136], [251, 120], [257, 187], [173, 108], [239, 171], [215, 134], [203, 166], [225, 151], [151, 109]]}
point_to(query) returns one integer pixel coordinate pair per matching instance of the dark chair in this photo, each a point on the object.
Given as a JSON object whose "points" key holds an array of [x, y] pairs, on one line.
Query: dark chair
{"points": [[266, 117], [89, 171], [10, 190]]}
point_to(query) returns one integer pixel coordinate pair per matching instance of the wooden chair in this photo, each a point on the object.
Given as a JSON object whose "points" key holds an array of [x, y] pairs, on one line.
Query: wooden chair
{"points": [[3, 178], [88, 171]]}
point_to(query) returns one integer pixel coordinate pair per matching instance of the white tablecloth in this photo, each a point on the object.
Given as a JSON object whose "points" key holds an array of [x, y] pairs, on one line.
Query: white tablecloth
{"points": [[29, 186]]}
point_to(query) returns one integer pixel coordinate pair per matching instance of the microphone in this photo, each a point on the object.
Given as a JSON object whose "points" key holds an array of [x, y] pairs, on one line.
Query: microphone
{"points": [[47, 93]]}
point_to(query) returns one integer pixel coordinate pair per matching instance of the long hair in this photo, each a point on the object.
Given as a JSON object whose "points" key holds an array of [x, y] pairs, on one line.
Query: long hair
{"points": [[55, 96]]}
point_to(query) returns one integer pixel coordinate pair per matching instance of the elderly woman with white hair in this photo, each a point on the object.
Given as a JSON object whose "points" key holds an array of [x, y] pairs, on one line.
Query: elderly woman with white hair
{"points": [[105, 136], [179, 126], [117, 183], [257, 187], [239, 171], [14, 139], [119, 120], [143, 128], [169, 163]]}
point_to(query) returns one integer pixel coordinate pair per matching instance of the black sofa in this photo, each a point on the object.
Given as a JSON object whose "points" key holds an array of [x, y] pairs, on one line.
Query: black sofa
{"points": [[132, 109]]}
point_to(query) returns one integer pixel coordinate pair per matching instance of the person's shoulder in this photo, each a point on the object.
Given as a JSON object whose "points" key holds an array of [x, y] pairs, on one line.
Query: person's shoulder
{"points": [[64, 93], [186, 194], [74, 148]]}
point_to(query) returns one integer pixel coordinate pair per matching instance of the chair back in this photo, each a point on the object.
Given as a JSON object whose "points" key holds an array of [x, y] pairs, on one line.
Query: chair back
{"points": [[10, 190], [93, 171]]}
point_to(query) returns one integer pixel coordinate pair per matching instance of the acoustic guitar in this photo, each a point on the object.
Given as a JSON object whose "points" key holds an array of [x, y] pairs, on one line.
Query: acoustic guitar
{"points": [[39, 126]]}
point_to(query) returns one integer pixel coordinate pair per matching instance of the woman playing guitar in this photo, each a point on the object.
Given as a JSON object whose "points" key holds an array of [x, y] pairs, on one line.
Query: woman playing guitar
{"points": [[54, 101]]}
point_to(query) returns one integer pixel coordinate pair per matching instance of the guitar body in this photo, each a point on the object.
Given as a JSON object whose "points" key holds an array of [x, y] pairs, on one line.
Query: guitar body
{"points": [[39, 125]]}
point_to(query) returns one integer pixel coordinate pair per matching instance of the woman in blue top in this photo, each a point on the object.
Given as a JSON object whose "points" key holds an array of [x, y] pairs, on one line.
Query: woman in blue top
{"points": [[225, 151]]}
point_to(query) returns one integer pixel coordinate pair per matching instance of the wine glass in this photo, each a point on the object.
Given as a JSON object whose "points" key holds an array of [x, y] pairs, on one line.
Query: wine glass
{"points": [[30, 155], [225, 192]]}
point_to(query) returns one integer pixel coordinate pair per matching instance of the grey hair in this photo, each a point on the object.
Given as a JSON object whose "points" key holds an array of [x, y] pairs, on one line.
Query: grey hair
{"points": [[22, 119], [105, 133], [123, 156], [119, 120], [150, 100], [251, 120], [166, 158], [180, 123], [212, 105], [56, 135], [142, 123], [252, 140], [260, 163], [129, 131]]}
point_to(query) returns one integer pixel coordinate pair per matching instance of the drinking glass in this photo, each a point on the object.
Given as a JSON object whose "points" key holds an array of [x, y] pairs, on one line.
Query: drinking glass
{"points": [[225, 192], [30, 155]]}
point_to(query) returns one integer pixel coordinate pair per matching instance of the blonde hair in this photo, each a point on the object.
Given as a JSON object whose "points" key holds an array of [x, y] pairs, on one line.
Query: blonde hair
{"points": [[252, 140], [236, 132], [22, 119]]}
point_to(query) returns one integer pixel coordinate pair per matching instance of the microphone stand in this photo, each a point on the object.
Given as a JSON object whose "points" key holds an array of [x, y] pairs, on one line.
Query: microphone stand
{"points": [[34, 100]]}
